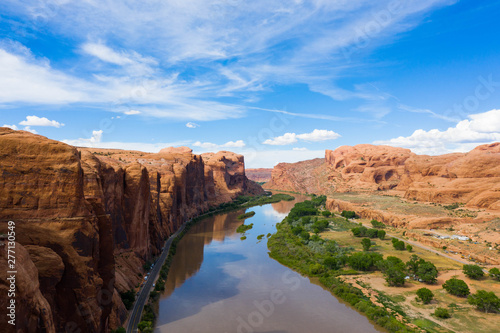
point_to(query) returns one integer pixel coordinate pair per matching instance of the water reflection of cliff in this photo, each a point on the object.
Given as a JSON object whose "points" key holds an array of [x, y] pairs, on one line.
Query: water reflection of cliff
{"points": [[189, 254]]}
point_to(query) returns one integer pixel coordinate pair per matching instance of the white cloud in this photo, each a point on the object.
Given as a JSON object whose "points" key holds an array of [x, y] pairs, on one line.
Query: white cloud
{"points": [[315, 136], [93, 141], [300, 149], [480, 128], [14, 127], [37, 121], [132, 112], [192, 125], [319, 135], [26, 128], [23, 79], [285, 139], [213, 146]]}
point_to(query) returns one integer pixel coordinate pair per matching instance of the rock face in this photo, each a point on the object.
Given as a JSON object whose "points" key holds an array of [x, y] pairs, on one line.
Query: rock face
{"points": [[259, 175], [303, 177], [471, 178], [89, 218]]}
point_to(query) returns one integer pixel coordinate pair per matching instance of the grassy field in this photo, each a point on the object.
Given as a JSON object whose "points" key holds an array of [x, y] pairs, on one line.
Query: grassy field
{"points": [[465, 318]]}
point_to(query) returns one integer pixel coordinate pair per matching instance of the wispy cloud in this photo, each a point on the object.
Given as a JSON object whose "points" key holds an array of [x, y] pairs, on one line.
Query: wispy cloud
{"points": [[179, 57], [192, 125]]}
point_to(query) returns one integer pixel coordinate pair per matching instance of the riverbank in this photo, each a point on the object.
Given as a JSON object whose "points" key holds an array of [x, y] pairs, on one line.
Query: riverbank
{"points": [[326, 255], [149, 314]]}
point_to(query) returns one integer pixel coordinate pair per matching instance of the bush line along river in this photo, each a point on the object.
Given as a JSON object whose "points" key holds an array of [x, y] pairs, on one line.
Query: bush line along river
{"points": [[220, 283]]}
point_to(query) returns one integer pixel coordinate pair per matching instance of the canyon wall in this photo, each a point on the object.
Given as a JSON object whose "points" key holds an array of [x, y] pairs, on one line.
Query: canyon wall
{"points": [[259, 175], [471, 178], [87, 219]]}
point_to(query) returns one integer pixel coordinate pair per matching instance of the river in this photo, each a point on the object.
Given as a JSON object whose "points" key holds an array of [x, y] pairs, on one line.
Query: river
{"points": [[219, 283]]}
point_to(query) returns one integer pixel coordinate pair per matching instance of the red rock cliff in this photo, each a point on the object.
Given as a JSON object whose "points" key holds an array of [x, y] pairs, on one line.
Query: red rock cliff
{"points": [[471, 178], [88, 218]]}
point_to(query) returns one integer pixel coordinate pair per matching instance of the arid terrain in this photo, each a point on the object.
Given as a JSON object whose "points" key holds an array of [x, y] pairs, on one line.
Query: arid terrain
{"points": [[259, 175], [431, 198], [86, 221]]}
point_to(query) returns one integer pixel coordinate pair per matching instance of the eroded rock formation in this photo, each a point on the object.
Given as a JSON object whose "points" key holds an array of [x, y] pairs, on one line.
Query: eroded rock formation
{"points": [[89, 218], [259, 175]]}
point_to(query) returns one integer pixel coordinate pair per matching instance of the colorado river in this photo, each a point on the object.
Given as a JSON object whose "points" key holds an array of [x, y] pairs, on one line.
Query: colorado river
{"points": [[219, 283]]}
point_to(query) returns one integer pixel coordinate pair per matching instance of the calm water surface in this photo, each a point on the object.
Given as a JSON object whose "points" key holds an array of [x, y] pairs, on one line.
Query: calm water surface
{"points": [[219, 283]]}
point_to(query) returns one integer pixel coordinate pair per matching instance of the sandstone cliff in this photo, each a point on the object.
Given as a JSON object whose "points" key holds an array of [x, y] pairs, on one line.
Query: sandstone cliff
{"points": [[259, 175], [471, 178], [89, 218]]}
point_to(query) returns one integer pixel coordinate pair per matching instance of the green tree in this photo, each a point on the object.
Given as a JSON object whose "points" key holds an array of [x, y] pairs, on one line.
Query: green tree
{"points": [[473, 271], [394, 270], [409, 248], [364, 261], [495, 273], [348, 214], [442, 313], [377, 224], [412, 266], [456, 287], [367, 243], [485, 301], [425, 295], [381, 234], [326, 213], [426, 271], [399, 245]]}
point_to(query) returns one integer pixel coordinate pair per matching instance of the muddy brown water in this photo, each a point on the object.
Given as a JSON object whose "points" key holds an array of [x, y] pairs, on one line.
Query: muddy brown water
{"points": [[219, 283]]}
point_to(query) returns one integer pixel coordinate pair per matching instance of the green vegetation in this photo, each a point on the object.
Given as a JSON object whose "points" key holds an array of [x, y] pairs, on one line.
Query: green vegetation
{"points": [[128, 299], [452, 206], [246, 215], [314, 256], [243, 237], [485, 301], [367, 243], [456, 287], [473, 271], [409, 247], [259, 237], [119, 330], [495, 273], [442, 313], [422, 270], [363, 231], [326, 213], [425, 295], [398, 245], [394, 271], [348, 214], [381, 234], [377, 224], [244, 227]]}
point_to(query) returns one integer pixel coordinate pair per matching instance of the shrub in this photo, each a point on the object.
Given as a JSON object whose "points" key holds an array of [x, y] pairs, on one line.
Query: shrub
{"points": [[363, 261], [305, 235], [246, 215], [367, 243], [442, 313], [456, 287], [425, 295], [326, 213], [485, 301], [381, 234], [473, 271], [409, 248], [377, 224], [399, 245], [316, 268], [128, 299], [348, 214], [371, 233], [495, 273]]}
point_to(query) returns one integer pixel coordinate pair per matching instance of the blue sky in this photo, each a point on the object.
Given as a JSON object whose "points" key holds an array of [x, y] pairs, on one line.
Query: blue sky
{"points": [[278, 81]]}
